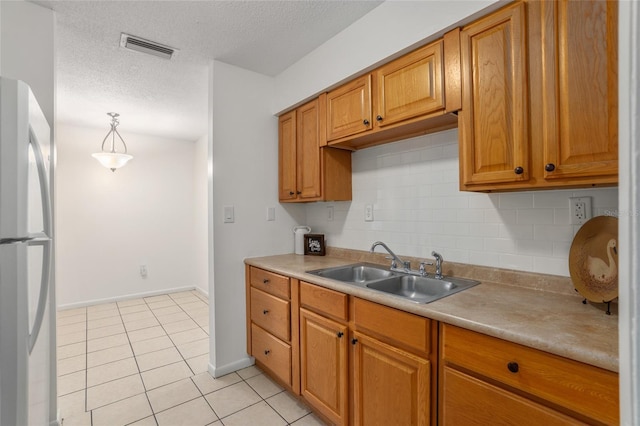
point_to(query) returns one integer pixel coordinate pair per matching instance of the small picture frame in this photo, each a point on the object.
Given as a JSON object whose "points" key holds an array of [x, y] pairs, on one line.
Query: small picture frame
{"points": [[314, 244]]}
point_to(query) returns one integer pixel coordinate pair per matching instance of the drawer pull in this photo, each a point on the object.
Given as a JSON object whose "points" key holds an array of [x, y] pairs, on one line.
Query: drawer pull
{"points": [[339, 334], [265, 281], [265, 312], [513, 367], [267, 351]]}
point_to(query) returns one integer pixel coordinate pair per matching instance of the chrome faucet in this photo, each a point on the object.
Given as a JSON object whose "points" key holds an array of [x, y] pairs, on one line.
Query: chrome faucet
{"points": [[438, 259], [394, 258]]}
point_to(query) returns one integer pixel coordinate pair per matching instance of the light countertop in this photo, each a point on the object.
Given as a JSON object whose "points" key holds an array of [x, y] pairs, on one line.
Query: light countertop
{"points": [[552, 322]]}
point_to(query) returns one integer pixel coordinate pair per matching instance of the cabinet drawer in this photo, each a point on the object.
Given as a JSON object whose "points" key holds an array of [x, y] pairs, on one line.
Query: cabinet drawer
{"points": [[324, 300], [408, 330], [468, 400], [271, 313], [581, 388], [273, 353], [275, 284]]}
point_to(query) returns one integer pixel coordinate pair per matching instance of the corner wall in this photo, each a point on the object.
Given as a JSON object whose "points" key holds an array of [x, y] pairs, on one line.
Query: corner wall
{"points": [[110, 223], [245, 176]]}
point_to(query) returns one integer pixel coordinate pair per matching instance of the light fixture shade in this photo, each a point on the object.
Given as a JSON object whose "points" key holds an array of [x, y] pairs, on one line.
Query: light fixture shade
{"points": [[112, 160]]}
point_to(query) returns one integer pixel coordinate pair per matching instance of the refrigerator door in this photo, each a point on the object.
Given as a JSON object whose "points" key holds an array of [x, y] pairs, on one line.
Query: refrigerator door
{"points": [[25, 259]]}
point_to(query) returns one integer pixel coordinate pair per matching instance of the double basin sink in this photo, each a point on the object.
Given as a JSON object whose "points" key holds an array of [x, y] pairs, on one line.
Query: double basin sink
{"points": [[416, 288]]}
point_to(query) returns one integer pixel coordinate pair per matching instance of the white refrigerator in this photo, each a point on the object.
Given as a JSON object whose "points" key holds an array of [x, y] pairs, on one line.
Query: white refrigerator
{"points": [[27, 327]]}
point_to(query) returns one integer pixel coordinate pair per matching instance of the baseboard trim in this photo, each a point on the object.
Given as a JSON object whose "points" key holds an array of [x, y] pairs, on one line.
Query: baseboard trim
{"points": [[125, 297], [231, 367], [201, 291]]}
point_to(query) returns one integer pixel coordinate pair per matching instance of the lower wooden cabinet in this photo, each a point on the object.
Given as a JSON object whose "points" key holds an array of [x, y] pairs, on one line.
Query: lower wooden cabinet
{"points": [[538, 385], [471, 401], [356, 362], [390, 386], [323, 365]]}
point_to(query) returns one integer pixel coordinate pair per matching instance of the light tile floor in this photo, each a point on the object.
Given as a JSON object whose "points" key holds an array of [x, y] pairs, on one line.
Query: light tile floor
{"points": [[144, 362]]}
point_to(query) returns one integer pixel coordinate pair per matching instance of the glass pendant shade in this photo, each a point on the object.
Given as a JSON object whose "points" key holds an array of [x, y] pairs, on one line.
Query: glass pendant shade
{"points": [[111, 159]]}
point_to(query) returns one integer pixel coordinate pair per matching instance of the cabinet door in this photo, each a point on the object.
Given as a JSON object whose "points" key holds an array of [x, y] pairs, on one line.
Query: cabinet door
{"points": [[323, 366], [308, 149], [391, 386], [466, 400], [493, 133], [287, 156], [349, 108], [580, 96], [410, 86]]}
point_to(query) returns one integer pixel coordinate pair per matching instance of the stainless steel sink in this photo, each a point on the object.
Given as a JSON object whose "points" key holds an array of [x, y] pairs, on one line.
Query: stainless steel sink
{"points": [[416, 288], [421, 289], [357, 273]]}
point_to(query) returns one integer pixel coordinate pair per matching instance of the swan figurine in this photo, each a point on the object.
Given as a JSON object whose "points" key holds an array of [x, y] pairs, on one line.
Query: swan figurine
{"points": [[598, 269]]}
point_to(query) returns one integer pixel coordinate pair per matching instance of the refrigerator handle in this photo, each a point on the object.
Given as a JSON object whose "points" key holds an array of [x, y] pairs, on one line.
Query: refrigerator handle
{"points": [[44, 290], [46, 243], [44, 182]]}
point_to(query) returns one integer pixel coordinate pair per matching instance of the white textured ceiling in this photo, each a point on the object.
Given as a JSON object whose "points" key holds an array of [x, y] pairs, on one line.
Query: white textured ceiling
{"points": [[169, 98]]}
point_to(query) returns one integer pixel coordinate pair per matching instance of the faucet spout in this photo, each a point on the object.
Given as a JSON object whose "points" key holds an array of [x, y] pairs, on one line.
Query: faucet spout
{"points": [[394, 258]]}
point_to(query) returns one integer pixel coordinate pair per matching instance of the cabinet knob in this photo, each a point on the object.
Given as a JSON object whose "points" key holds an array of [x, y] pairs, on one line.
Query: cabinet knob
{"points": [[378, 117], [265, 312], [513, 367], [267, 351], [354, 341], [298, 192], [518, 170], [365, 122], [550, 167], [291, 193], [339, 334], [265, 281]]}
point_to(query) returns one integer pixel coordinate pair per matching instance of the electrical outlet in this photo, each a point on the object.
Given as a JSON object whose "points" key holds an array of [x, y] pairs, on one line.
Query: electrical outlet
{"points": [[329, 213], [271, 214], [368, 213], [143, 271], [580, 210]]}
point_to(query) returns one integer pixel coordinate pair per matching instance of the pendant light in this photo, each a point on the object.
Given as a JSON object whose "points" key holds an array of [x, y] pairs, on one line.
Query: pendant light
{"points": [[111, 159]]}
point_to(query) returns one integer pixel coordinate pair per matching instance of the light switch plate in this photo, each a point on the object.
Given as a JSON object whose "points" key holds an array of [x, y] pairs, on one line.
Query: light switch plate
{"points": [[271, 214], [229, 216]]}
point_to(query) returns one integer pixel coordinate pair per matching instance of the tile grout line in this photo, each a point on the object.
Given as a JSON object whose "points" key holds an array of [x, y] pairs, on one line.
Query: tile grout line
{"points": [[144, 386]]}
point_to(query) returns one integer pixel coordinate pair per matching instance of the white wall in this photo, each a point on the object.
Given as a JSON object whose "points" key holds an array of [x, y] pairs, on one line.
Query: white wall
{"points": [[110, 223], [27, 49], [245, 175], [413, 187]]}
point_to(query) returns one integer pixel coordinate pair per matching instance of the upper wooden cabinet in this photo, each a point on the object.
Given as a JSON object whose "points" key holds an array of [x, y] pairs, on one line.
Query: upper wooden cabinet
{"points": [[540, 97], [494, 144], [403, 98], [307, 170], [409, 86], [349, 109], [580, 100]]}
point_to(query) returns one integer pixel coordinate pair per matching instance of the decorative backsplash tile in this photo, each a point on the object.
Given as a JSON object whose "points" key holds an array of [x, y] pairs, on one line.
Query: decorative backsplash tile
{"points": [[413, 187]]}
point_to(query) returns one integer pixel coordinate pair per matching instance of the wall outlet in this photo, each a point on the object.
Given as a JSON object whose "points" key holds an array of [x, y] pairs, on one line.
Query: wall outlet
{"points": [[368, 213], [329, 213], [580, 210], [143, 271]]}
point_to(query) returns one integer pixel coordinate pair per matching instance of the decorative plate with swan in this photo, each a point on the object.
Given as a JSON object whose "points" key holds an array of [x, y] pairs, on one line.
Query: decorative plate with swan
{"points": [[593, 259]]}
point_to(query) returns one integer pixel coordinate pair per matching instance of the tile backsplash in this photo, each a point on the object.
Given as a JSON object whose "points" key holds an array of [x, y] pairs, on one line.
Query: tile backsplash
{"points": [[417, 207]]}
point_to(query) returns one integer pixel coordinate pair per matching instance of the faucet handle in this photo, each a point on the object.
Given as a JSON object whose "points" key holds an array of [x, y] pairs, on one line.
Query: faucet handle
{"points": [[393, 261], [423, 271]]}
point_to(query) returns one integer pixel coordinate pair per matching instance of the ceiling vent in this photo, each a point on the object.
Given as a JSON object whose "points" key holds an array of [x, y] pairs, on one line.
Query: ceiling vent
{"points": [[146, 46]]}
